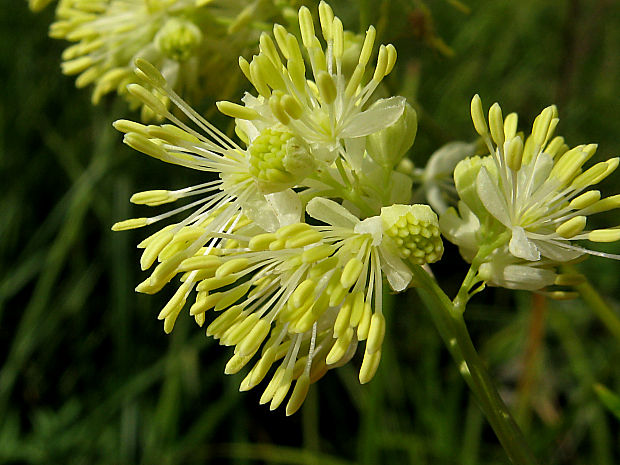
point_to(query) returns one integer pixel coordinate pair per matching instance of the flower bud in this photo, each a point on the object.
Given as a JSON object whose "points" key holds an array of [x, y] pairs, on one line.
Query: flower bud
{"points": [[388, 146], [178, 39]]}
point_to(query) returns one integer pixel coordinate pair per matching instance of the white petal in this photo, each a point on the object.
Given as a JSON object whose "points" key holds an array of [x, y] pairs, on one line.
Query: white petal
{"points": [[248, 128], [557, 253], [452, 226], [286, 205], [502, 271], [461, 230], [259, 211], [534, 182], [491, 197], [354, 152], [331, 213], [435, 197], [372, 226], [324, 152], [541, 170], [459, 226], [442, 161], [520, 246], [397, 273], [527, 277], [382, 114]]}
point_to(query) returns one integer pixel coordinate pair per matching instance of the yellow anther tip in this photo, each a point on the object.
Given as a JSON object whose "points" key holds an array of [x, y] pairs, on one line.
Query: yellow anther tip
{"points": [[496, 123], [338, 37], [572, 227], [144, 287], [351, 272], [514, 153], [125, 126], [376, 333], [326, 86], [391, 59], [477, 116], [130, 224], [382, 61], [562, 295], [566, 279], [148, 99], [291, 106], [144, 145], [326, 17], [236, 111], [153, 75], [604, 235], [370, 363], [306, 25], [154, 197], [369, 41], [302, 385]]}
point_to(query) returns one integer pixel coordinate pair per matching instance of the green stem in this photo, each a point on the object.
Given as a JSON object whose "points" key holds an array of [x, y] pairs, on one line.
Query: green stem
{"points": [[347, 192], [472, 278], [448, 319]]}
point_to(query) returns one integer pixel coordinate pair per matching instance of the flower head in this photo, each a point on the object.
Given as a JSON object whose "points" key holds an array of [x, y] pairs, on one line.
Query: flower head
{"points": [[256, 179], [319, 103], [306, 295], [534, 192], [190, 42]]}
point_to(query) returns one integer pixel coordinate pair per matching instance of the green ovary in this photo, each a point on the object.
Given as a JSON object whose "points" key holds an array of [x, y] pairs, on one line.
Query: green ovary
{"points": [[267, 157], [417, 240]]}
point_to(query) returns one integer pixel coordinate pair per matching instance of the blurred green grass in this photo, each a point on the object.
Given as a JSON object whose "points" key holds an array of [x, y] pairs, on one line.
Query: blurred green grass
{"points": [[87, 375]]}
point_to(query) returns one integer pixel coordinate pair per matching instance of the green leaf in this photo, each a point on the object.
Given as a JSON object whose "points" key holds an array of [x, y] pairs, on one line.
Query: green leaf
{"points": [[610, 400]]}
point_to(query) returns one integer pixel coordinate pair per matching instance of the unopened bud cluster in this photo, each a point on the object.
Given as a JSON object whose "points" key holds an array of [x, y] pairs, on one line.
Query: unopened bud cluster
{"points": [[415, 231]]}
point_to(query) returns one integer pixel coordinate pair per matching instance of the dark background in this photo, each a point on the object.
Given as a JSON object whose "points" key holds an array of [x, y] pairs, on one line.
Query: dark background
{"points": [[87, 375]]}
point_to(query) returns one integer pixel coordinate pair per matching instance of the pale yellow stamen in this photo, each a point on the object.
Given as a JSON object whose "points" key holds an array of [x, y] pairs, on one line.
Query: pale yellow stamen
{"points": [[477, 116], [572, 227], [236, 111], [496, 124], [604, 235], [130, 224]]}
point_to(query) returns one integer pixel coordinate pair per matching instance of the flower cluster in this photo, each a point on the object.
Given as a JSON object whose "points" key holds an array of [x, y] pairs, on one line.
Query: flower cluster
{"points": [[530, 197], [191, 42], [290, 245]]}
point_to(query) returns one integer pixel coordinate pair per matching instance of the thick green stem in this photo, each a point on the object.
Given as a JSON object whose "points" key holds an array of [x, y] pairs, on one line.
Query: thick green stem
{"points": [[449, 321]]}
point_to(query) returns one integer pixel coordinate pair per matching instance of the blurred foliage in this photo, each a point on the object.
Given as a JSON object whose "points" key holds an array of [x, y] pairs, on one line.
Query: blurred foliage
{"points": [[87, 375]]}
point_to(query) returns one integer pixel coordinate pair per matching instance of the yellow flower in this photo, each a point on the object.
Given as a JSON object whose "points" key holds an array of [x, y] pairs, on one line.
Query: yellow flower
{"points": [[256, 180], [532, 190], [319, 104], [304, 294]]}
